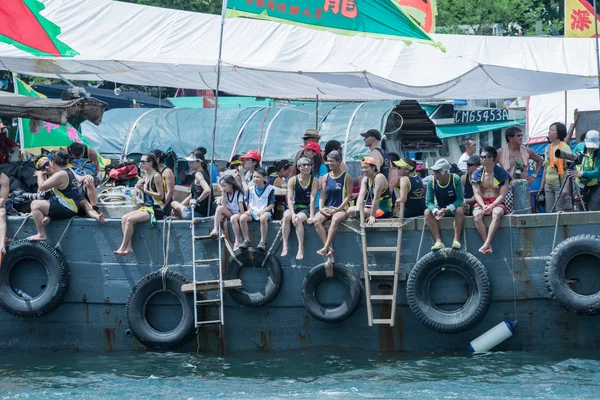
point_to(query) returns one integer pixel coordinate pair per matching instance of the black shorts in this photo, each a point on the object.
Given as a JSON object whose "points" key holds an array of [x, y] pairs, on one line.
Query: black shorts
{"points": [[305, 211], [58, 211]]}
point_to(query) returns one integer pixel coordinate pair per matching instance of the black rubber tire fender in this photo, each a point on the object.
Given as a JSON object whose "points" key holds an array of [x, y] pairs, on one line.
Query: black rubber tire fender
{"points": [[136, 312], [556, 268], [57, 285], [419, 297], [344, 310], [251, 258]]}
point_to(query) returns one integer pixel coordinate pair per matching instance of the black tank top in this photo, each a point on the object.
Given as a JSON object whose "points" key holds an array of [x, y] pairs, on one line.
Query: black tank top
{"points": [[468, 187], [385, 199], [197, 191], [302, 194], [415, 200], [385, 166]]}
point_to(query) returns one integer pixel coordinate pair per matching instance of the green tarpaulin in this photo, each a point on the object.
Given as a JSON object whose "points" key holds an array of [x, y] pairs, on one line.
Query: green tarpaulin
{"points": [[448, 131]]}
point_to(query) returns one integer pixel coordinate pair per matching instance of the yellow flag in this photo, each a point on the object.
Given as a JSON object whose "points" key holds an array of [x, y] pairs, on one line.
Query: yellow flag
{"points": [[579, 19]]}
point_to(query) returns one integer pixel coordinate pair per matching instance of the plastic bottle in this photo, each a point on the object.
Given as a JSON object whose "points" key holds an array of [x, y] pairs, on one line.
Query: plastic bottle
{"points": [[493, 337], [518, 170], [22, 294], [134, 197], [128, 196]]}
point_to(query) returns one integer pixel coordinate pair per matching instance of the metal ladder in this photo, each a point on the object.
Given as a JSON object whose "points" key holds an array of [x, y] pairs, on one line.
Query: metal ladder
{"points": [[368, 274], [205, 286]]}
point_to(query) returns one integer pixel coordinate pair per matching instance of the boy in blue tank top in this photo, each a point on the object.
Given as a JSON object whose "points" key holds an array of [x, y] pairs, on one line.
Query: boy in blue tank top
{"points": [[261, 201], [444, 198]]}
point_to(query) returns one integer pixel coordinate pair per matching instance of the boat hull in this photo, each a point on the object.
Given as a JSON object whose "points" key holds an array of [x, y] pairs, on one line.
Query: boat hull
{"points": [[93, 315]]}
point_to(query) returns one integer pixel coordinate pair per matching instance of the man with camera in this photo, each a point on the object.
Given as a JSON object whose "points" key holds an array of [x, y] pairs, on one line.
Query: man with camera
{"points": [[588, 170]]}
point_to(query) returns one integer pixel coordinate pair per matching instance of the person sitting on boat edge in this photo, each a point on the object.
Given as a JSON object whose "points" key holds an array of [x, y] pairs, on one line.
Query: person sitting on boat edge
{"points": [[251, 161], [261, 201], [64, 200], [473, 163], [301, 199], [336, 188], [85, 184], [168, 179], [490, 186], [374, 194], [196, 204], [372, 137], [232, 205], [410, 191], [152, 189], [331, 146], [212, 169], [312, 151], [4, 193], [444, 198], [589, 171], [281, 172]]}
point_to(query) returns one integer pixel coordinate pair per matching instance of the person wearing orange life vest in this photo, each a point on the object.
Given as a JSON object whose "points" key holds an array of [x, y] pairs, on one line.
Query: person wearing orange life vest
{"points": [[555, 170]]}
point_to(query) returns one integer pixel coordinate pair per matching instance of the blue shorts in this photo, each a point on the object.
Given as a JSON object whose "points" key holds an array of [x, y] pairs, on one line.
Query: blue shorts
{"points": [[257, 218]]}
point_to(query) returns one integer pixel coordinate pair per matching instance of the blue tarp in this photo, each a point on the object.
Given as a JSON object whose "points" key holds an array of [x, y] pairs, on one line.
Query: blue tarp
{"points": [[281, 128]]}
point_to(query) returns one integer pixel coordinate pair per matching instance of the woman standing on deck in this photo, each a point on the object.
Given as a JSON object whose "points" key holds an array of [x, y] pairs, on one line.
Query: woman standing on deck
{"points": [[301, 198], [337, 193], [555, 170], [153, 192]]}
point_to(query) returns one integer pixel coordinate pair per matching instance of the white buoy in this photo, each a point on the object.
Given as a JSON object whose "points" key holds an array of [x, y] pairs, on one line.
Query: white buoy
{"points": [[493, 337]]}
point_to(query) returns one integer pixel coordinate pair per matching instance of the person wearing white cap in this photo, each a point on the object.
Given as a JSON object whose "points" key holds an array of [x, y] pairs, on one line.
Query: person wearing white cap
{"points": [[196, 203], [444, 198], [589, 171]]}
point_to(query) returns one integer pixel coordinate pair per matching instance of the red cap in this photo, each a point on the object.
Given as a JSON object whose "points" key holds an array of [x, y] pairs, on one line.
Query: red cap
{"points": [[253, 154], [313, 146]]}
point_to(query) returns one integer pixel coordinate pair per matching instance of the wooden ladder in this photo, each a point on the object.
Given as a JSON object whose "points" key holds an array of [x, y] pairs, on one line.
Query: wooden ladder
{"points": [[213, 285], [368, 273]]}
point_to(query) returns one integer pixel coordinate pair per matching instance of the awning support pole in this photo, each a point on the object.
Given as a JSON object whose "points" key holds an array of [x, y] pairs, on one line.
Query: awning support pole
{"points": [[597, 56], [214, 132], [317, 113]]}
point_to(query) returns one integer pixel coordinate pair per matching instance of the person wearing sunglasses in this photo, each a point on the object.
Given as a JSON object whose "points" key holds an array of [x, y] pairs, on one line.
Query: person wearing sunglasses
{"points": [[490, 185], [65, 201], [152, 189], [301, 199], [515, 151]]}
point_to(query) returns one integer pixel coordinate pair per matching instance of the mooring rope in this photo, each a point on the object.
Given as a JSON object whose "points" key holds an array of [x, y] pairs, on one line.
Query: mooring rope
{"points": [[21, 226], [64, 232], [512, 266], [166, 241], [555, 230]]}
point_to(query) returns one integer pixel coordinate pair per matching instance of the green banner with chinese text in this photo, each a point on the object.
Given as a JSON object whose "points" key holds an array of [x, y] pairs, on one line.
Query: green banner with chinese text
{"points": [[375, 18]]}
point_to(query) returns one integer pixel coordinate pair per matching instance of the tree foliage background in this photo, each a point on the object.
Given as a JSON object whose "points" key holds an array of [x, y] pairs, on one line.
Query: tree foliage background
{"points": [[517, 17]]}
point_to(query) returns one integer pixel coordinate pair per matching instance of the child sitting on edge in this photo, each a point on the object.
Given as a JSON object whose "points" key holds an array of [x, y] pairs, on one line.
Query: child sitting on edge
{"points": [[232, 204], [261, 201]]}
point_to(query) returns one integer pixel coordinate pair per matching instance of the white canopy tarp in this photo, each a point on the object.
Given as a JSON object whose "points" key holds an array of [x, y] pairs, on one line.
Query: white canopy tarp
{"points": [[128, 43], [546, 109]]}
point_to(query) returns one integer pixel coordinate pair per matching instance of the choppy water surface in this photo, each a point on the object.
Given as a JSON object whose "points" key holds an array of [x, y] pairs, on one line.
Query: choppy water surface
{"points": [[334, 374]]}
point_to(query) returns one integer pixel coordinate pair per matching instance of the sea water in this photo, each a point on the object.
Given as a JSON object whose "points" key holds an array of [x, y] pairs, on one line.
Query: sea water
{"points": [[314, 374]]}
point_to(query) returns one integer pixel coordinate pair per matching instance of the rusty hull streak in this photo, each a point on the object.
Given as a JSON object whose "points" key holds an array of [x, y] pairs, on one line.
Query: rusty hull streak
{"points": [[109, 337], [266, 340]]}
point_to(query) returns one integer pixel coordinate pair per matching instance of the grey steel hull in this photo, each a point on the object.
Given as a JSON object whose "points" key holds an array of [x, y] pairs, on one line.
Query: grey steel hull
{"points": [[93, 316]]}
